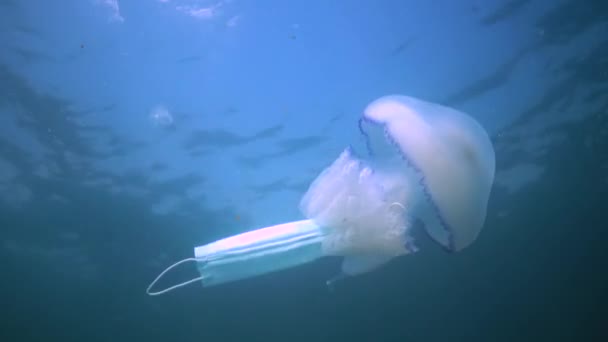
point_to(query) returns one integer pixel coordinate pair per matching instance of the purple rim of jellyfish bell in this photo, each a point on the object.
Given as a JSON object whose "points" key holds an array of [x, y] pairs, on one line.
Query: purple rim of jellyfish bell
{"points": [[411, 164]]}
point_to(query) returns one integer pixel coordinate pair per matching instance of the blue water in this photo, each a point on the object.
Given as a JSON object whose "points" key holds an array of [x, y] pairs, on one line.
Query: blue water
{"points": [[132, 131]]}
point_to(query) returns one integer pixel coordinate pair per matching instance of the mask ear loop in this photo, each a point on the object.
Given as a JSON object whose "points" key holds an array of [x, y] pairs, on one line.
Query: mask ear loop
{"points": [[157, 293]]}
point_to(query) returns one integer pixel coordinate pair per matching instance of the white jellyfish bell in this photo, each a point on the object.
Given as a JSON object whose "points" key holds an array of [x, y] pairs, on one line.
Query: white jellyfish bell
{"points": [[425, 162]]}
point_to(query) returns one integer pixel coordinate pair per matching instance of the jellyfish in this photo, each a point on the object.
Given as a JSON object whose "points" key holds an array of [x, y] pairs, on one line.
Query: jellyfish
{"points": [[422, 163]]}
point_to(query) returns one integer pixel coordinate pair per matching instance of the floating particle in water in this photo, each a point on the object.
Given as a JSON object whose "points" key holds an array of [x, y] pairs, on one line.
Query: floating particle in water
{"points": [[294, 28], [161, 116]]}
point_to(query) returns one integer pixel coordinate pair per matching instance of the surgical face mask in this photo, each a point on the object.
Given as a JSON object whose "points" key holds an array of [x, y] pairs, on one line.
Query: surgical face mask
{"points": [[427, 163], [253, 253]]}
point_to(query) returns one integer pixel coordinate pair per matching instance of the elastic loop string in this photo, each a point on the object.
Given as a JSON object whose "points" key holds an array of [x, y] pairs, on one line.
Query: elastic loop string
{"points": [[397, 204], [174, 286]]}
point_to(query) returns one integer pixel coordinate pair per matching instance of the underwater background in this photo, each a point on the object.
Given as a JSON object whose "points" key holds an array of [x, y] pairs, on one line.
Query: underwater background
{"points": [[133, 131]]}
